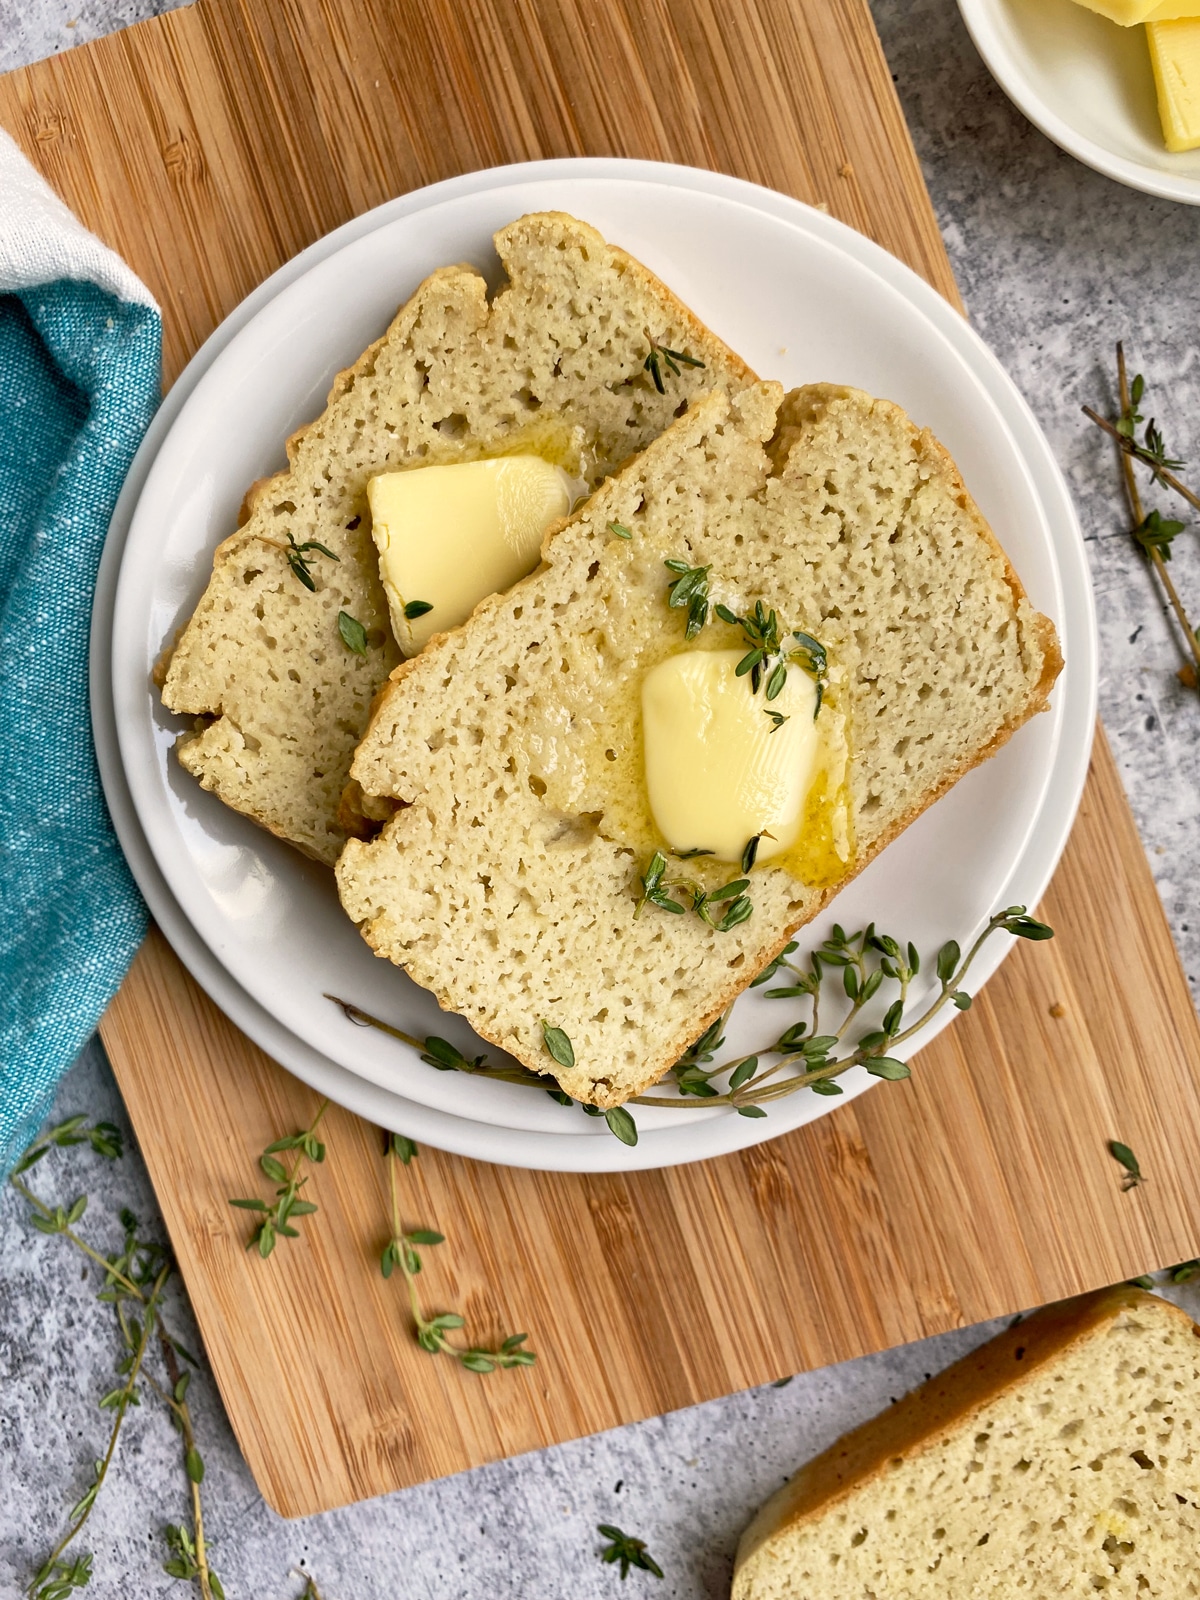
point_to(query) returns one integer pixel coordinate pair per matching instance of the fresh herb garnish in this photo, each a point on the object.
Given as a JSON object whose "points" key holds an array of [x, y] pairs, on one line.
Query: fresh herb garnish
{"points": [[1152, 532], [417, 608], [769, 655], [1124, 1156], [1155, 532], [656, 884], [750, 853], [803, 1056], [629, 1552], [277, 1219], [353, 634], [814, 1059], [660, 356], [558, 1044], [433, 1333], [621, 531], [690, 590], [299, 559], [134, 1280], [776, 717]]}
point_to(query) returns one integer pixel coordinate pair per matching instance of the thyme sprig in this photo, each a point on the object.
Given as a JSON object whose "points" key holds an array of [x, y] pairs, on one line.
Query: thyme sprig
{"points": [[689, 591], [629, 1552], [722, 908], [277, 1219], [805, 1057], [134, 1282], [433, 1333], [770, 655], [1152, 532], [660, 356]]}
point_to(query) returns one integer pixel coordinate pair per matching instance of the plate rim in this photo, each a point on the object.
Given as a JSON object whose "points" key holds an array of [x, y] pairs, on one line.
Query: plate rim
{"points": [[453, 1132], [978, 17]]}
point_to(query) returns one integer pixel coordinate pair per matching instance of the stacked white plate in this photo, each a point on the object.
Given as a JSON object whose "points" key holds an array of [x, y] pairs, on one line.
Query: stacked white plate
{"points": [[802, 298]]}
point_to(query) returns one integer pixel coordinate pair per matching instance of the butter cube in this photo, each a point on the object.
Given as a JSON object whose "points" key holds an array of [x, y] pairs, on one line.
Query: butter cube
{"points": [[449, 536], [1130, 12], [1127, 12], [719, 770], [1175, 57]]}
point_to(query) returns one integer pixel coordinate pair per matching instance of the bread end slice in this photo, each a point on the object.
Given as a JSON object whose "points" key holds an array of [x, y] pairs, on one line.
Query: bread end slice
{"points": [[1060, 1458]]}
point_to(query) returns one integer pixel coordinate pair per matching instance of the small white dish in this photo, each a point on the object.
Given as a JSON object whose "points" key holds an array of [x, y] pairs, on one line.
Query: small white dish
{"points": [[261, 928], [1088, 85]]}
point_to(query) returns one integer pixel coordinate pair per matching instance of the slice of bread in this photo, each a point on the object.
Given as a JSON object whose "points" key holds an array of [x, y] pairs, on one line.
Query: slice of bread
{"points": [[1063, 1458], [555, 364], [509, 882]]}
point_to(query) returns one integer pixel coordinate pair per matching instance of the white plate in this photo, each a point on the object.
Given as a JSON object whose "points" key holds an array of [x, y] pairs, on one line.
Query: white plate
{"points": [[1088, 85], [813, 299]]}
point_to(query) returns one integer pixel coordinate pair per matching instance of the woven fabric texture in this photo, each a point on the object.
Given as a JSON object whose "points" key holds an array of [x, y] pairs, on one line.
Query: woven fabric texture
{"points": [[79, 383]]}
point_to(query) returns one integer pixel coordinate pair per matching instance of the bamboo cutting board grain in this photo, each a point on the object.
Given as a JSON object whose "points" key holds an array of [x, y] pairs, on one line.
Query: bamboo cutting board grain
{"points": [[208, 147]]}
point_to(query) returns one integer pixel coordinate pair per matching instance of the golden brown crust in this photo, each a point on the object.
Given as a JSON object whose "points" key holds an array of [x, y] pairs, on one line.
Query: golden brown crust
{"points": [[795, 412], [940, 1407]]}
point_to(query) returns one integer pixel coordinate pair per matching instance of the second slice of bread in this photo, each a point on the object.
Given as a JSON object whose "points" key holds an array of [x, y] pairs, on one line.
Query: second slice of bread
{"points": [[508, 884], [554, 362]]}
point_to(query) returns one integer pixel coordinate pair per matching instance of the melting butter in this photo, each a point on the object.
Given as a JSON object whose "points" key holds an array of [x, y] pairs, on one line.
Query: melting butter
{"points": [[720, 769], [448, 536]]}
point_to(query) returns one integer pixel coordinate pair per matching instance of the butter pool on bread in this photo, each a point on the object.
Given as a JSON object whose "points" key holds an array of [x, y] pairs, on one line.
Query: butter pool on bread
{"points": [[509, 882], [553, 365]]}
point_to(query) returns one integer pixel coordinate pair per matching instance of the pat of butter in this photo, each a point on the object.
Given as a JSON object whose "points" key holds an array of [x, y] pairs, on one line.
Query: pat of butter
{"points": [[1130, 12], [1175, 57], [718, 768], [449, 536]]}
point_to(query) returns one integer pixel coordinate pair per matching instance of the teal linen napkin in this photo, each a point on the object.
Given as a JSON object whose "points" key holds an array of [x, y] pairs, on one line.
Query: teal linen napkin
{"points": [[79, 383]]}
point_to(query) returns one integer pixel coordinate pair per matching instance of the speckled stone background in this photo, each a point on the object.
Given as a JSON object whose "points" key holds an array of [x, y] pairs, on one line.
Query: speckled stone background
{"points": [[1055, 263]]}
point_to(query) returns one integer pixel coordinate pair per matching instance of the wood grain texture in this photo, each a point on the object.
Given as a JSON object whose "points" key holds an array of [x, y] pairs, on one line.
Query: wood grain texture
{"points": [[208, 147]]}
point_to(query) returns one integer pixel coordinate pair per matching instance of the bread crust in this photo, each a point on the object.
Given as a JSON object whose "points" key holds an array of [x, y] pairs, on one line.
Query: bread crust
{"points": [[941, 1407], [210, 671], [795, 412]]}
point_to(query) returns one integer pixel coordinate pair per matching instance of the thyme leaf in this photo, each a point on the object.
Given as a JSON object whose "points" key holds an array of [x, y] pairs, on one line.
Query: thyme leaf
{"points": [[802, 1056], [1124, 1156], [689, 590], [300, 561], [558, 1044], [620, 530], [353, 634], [417, 608], [1151, 532], [624, 1550], [660, 356]]}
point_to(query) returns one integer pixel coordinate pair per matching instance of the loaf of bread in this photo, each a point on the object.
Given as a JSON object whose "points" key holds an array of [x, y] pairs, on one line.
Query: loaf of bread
{"points": [[555, 363], [508, 884], [1063, 1458]]}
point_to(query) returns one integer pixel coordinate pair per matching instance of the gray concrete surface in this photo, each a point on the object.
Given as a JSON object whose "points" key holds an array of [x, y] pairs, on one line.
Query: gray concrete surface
{"points": [[1055, 263]]}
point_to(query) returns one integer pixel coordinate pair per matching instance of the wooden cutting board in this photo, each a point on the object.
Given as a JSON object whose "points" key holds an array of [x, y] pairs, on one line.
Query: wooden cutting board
{"points": [[208, 147]]}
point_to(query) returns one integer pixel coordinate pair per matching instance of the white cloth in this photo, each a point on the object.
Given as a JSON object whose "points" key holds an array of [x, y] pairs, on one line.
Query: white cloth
{"points": [[40, 241]]}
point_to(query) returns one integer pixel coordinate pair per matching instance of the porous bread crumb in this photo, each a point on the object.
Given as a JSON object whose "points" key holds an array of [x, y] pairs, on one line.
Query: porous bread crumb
{"points": [[554, 362], [1062, 1459], [508, 885]]}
